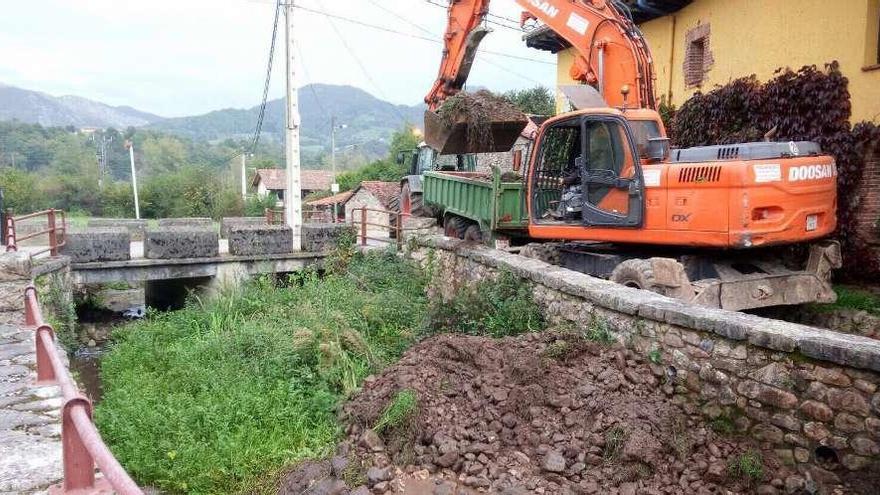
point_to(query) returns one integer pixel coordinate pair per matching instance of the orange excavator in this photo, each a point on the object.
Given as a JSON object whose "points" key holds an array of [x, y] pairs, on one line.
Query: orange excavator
{"points": [[705, 224]]}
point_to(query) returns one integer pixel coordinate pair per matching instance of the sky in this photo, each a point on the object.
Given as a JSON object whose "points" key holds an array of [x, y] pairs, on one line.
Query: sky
{"points": [[187, 57]]}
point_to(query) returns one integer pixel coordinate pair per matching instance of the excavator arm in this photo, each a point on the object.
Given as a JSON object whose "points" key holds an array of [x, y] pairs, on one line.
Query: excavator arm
{"points": [[612, 54]]}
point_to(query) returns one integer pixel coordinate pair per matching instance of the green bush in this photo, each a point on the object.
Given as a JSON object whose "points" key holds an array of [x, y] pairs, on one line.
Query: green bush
{"points": [[209, 398], [496, 308]]}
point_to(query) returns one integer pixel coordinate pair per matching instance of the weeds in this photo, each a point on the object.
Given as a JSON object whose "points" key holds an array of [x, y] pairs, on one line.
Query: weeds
{"points": [[655, 356], [614, 440], [598, 331], [852, 298], [398, 412], [211, 398], [682, 443], [496, 308], [748, 466]]}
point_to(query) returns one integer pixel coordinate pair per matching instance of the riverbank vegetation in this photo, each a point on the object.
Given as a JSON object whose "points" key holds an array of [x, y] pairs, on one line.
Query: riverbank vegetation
{"points": [[222, 395]]}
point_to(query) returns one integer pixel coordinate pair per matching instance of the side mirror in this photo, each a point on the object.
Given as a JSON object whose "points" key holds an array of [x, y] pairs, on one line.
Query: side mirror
{"points": [[517, 160], [401, 157], [658, 149]]}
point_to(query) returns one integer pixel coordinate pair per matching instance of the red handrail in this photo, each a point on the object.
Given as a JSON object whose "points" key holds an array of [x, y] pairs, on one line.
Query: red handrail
{"points": [[397, 227], [56, 234], [80, 440]]}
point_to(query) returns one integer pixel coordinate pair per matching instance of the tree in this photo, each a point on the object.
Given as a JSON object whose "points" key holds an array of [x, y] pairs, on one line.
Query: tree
{"points": [[534, 101]]}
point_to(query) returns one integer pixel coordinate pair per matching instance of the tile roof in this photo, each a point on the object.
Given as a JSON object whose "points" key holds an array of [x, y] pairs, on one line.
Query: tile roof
{"points": [[386, 192], [340, 198], [310, 180]]}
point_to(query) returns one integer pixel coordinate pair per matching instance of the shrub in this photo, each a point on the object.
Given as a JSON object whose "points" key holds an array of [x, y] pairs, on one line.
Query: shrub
{"points": [[748, 466], [497, 308]]}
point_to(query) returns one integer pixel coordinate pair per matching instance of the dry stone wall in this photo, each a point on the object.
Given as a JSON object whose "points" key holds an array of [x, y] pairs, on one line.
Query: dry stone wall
{"points": [[811, 394]]}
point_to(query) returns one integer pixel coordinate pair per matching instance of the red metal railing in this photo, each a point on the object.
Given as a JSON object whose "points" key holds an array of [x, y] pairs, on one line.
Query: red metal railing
{"points": [[394, 225], [80, 440], [56, 234]]}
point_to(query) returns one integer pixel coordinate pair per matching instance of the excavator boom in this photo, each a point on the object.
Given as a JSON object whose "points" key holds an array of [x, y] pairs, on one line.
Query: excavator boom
{"points": [[612, 57]]}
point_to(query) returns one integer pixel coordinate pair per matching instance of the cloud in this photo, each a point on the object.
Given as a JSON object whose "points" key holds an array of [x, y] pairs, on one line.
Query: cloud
{"points": [[181, 57]]}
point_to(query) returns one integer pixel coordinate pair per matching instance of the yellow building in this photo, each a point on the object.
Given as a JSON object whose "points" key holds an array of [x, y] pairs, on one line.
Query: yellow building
{"points": [[701, 44]]}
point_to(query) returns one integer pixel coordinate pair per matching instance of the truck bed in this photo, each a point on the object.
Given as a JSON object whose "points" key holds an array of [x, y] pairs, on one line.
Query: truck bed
{"points": [[480, 197]]}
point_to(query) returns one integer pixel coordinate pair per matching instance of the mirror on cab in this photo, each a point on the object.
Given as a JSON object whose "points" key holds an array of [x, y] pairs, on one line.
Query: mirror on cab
{"points": [[658, 149]]}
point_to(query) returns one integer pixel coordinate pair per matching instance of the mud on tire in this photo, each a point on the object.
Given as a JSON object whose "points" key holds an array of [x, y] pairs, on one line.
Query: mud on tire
{"points": [[637, 273]]}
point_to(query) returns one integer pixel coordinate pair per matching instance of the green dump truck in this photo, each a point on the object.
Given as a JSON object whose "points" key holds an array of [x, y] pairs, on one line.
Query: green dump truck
{"points": [[477, 206]]}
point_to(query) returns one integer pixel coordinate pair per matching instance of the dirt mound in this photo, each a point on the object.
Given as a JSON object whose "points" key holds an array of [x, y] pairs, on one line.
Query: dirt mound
{"points": [[545, 413]]}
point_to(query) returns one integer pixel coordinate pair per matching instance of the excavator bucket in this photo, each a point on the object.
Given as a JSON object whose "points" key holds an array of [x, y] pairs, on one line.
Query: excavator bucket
{"points": [[458, 138]]}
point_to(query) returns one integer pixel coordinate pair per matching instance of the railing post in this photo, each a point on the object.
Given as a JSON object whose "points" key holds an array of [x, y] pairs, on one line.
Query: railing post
{"points": [[10, 233], [45, 370], [398, 223], [363, 226], [53, 237], [79, 466]]}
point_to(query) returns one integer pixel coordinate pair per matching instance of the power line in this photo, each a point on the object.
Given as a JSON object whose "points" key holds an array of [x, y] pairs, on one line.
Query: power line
{"points": [[363, 67], [411, 35], [514, 24], [404, 19], [259, 128]]}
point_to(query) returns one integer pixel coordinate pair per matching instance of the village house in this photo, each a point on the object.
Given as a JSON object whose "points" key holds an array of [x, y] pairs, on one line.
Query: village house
{"points": [[375, 195], [321, 210], [274, 180], [699, 44]]}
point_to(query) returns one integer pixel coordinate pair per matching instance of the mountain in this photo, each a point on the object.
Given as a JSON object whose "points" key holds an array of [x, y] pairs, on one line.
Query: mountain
{"points": [[369, 121], [35, 107]]}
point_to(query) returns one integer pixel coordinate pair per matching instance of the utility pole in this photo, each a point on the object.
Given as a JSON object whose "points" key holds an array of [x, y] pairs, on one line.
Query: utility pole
{"points": [[334, 187], [134, 183], [244, 175], [293, 209]]}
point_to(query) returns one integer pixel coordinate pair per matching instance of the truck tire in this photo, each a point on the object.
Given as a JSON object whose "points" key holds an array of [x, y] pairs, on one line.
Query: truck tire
{"points": [[638, 274], [473, 233], [410, 203], [454, 227]]}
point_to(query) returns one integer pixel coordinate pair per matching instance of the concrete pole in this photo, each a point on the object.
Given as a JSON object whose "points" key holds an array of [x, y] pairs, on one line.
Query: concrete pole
{"points": [[333, 164], [244, 175], [293, 195], [134, 181]]}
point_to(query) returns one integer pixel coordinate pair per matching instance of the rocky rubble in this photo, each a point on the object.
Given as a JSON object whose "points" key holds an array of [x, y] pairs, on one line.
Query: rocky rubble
{"points": [[547, 413]]}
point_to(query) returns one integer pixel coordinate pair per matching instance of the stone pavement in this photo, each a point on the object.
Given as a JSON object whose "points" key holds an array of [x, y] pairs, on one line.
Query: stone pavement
{"points": [[30, 425]]}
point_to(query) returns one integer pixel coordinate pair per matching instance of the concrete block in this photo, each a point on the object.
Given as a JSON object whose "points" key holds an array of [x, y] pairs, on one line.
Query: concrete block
{"points": [[321, 237], [98, 244], [15, 266], [135, 227], [228, 222], [186, 222], [181, 242], [248, 240]]}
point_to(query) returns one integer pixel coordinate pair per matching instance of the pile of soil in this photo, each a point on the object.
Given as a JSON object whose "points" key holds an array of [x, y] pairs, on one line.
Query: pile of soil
{"points": [[478, 111], [541, 413]]}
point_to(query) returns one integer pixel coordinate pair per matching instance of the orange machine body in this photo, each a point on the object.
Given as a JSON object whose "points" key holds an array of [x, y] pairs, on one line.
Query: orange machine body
{"points": [[718, 204]]}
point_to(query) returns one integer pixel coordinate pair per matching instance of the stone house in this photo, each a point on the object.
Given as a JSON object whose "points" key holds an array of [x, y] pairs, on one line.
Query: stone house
{"points": [[375, 195], [321, 210], [504, 160]]}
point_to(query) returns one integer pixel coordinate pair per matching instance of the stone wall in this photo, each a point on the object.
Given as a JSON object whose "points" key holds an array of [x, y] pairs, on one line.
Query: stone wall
{"points": [[868, 213], [249, 240], [181, 242], [363, 198], [323, 237], [807, 393], [227, 223], [135, 227], [15, 276]]}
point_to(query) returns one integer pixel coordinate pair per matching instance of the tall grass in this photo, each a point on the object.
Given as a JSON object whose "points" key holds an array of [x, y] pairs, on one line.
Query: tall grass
{"points": [[207, 399]]}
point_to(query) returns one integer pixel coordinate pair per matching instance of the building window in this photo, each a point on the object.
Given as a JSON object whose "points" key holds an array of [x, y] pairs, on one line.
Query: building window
{"points": [[697, 57]]}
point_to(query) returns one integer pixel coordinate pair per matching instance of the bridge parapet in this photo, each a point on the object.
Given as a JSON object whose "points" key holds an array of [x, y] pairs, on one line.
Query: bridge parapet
{"points": [[98, 244], [181, 242], [247, 240]]}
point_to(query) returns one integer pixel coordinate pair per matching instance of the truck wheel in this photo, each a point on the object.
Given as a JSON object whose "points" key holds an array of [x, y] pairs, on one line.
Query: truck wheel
{"points": [[473, 233], [410, 202], [638, 274], [454, 227]]}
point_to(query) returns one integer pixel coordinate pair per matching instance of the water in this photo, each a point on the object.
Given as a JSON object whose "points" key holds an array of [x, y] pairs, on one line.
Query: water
{"points": [[86, 364]]}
